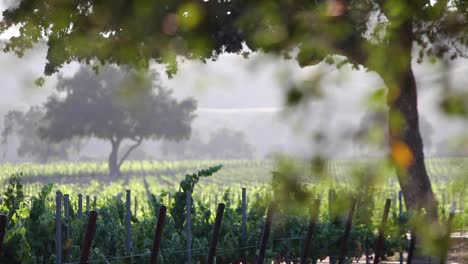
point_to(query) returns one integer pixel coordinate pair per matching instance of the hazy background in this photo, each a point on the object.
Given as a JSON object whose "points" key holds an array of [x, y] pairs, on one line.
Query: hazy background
{"points": [[247, 95]]}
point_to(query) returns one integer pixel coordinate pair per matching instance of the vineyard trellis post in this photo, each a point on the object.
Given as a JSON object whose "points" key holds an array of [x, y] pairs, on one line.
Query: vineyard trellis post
{"points": [[80, 205], [88, 239], [87, 204], [400, 212], [58, 227], [312, 222], [380, 239], [188, 224], [347, 231], [412, 245], [158, 234], [266, 234], [66, 203], [462, 210], [135, 206], [331, 215], [448, 232], [214, 237], [244, 222], [443, 204], [3, 222], [128, 224]]}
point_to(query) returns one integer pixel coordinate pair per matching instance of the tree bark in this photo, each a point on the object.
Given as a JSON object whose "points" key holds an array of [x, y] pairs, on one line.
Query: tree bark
{"points": [[413, 178], [114, 162], [114, 168], [404, 131], [132, 148], [405, 139]]}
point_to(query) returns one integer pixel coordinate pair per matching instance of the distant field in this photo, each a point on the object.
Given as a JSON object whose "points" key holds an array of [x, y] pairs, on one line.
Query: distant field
{"points": [[445, 173], [145, 177]]}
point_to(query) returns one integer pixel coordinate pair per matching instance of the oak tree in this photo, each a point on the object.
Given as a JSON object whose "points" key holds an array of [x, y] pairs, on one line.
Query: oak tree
{"points": [[117, 104]]}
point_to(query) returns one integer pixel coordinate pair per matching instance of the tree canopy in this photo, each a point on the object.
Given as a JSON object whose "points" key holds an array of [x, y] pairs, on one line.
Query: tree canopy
{"points": [[26, 125], [135, 31], [116, 104], [223, 143]]}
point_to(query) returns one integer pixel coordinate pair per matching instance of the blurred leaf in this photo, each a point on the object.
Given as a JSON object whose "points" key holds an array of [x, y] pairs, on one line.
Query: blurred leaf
{"points": [[454, 105], [401, 154], [39, 82], [294, 96]]}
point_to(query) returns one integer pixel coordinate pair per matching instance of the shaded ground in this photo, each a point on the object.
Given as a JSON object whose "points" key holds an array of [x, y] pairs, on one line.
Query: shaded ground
{"points": [[459, 249]]}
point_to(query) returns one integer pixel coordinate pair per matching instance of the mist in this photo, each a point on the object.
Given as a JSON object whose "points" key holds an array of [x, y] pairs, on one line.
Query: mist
{"points": [[248, 96]]}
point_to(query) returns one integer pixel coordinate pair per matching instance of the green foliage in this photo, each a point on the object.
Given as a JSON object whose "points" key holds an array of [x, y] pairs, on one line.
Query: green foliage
{"points": [[31, 230], [178, 210], [14, 195]]}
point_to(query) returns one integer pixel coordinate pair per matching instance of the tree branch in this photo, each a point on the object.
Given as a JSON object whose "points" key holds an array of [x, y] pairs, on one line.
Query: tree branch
{"points": [[133, 147]]}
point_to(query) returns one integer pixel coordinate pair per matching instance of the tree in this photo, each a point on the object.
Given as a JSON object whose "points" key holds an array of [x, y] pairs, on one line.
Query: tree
{"points": [[223, 143], [192, 148], [381, 36], [26, 126], [116, 104]]}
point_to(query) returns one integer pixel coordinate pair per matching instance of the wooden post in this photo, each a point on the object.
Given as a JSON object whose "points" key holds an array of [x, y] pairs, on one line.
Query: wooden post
{"points": [[128, 224], [380, 239], [80, 205], [88, 239], [409, 260], [158, 234], [331, 214], [94, 202], [312, 222], [443, 204], [347, 231], [87, 204], [66, 205], [446, 246], [135, 207], [266, 234], [58, 227], [3, 221], [462, 209], [214, 237], [244, 223], [400, 212], [188, 228]]}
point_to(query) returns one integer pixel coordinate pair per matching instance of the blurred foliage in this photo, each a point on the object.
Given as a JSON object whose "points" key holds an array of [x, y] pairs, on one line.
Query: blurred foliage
{"points": [[132, 32]]}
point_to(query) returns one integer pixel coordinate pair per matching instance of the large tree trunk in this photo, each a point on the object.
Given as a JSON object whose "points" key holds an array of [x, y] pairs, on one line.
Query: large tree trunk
{"points": [[114, 166], [114, 162], [405, 138]]}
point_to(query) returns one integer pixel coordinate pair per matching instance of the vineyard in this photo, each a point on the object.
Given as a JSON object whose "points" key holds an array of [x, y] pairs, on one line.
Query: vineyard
{"points": [[132, 202]]}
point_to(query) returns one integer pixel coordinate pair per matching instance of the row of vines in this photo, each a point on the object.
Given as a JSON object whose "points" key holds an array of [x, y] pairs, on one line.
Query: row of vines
{"points": [[31, 227]]}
